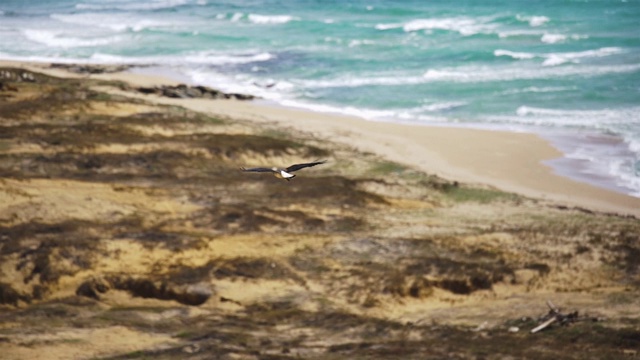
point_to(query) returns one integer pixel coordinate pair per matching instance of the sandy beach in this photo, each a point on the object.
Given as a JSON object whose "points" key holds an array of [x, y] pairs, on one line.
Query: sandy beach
{"points": [[127, 231]]}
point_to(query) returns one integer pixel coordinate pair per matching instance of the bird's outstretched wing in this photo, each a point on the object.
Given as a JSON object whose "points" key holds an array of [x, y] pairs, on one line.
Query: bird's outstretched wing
{"points": [[302, 166], [258, 169]]}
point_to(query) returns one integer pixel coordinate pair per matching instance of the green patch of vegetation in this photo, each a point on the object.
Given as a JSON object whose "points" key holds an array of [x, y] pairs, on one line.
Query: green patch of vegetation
{"points": [[620, 298], [72, 341], [387, 167], [115, 83], [100, 96], [185, 334], [214, 120], [479, 195], [185, 113], [4, 145], [138, 354], [277, 134]]}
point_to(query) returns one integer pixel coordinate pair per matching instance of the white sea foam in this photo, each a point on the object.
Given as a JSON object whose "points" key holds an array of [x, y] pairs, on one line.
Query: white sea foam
{"points": [[111, 59], [503, 34], [600, 119], [278, 91], [236, 17], [398, 115], [536, 89], [356, 43], [534, 21], [574, 57], [221, 81], [121, 23], [222, 59], [283, 93], [388, 26], [627, 174], [463, 25], [621, 170], [139, 25], [442, 106], [554, 59], [131, 5], [371, 114], [40, 59], [330, 39], [102, 58], [634, 145], [97, 58], [605, 160], [56, 39], [270, 19], [469, 74], [553, 38], [514, 54], [351, 81]]}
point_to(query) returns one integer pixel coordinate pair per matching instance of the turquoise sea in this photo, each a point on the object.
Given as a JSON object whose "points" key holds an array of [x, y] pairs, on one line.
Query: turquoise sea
{"points": [[566, 69]]}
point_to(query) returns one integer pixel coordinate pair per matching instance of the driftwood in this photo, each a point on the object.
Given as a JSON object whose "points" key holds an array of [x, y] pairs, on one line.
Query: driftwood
{"points": [[554, 315]]}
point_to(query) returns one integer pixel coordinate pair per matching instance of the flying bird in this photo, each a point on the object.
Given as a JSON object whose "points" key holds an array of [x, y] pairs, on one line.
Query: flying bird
{"points": [[284, 173]]}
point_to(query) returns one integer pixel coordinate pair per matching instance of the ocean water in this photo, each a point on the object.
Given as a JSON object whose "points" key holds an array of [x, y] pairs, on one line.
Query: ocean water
{"points": [[568, 70]]}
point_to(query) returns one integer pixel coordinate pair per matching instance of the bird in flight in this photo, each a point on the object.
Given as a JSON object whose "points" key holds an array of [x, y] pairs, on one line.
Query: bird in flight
{"points": [[284, 173]]}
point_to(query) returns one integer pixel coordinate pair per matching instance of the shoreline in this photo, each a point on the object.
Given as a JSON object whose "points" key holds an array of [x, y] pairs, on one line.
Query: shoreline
{"points": [[510, 161]]}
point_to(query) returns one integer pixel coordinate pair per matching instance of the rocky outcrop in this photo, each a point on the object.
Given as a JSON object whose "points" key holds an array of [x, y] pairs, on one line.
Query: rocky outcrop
{"points": [[91, 69], [183, 91]]}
